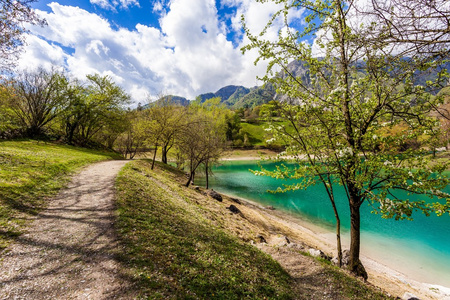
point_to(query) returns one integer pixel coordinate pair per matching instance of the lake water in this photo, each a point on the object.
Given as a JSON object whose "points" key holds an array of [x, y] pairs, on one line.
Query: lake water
{"points": [[420, 249]]}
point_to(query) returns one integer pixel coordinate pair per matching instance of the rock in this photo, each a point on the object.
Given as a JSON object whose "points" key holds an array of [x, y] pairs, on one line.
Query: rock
{"points": [[235, 200], [270, 207], [345, 257], [261, 238], [234, 209], [335, 261], [280, 241], [295, 246], [215, 195], [314, 252], [409, 296], [318, 253]]}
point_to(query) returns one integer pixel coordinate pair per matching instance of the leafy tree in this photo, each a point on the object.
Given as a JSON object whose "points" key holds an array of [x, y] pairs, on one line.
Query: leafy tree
{"points": [[233, 126], [37, 99], [9, 123], [99, 106], [165, 123], [14, 14], [201, 142], [358, 83]]}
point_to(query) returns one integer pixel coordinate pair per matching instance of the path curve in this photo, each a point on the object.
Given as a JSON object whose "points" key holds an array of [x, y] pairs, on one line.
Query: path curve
{"points": [[69, 250]]}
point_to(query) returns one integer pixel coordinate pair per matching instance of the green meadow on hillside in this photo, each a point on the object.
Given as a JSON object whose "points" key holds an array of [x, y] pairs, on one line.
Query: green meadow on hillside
{"points": [[30, 172]]}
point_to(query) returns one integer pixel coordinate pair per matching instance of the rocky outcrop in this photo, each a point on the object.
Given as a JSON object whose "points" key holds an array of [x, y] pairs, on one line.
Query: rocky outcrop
{"points": [[233, 209]]}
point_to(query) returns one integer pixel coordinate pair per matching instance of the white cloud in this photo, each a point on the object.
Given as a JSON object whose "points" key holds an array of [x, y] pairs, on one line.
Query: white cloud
{"points": [[112, 5], [187, 56], [102, 3], [157, 6], [40, 53]]}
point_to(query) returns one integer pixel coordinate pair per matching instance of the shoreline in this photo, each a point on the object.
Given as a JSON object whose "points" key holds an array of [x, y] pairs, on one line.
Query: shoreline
{"points": [[383, 271], [380, 273]]}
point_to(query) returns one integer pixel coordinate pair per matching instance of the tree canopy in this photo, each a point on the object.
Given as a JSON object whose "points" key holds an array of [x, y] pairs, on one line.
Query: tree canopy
{"points": [[359, 86]]}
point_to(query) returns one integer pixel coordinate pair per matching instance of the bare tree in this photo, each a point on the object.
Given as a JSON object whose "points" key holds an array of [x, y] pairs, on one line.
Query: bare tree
{"points": [[38, 99]]}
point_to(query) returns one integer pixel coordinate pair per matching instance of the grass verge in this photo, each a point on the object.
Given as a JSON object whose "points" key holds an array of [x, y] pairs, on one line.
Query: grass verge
{"points": [[30, 172], [176, 251]]}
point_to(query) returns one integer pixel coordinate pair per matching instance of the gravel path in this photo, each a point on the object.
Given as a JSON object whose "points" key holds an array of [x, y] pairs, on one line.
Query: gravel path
{"points": [[69, 251]]}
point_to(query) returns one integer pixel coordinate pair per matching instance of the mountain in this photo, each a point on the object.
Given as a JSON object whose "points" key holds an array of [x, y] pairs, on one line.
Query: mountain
{"points": [[239, 96], [171, 99], [257, 96], [230, 91]]}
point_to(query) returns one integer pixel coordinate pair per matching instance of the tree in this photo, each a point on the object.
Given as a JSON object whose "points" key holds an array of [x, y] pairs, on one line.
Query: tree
{"points": [[358, 83], [9, 123], [100, 106], [165, 122], [14, 14], [422, 25], [133, 139], [38, 99], [201, 142]]}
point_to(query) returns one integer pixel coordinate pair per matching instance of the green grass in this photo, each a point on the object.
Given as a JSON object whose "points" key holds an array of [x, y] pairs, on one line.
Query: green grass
{"points": [[176, 252], [345, 286], [256, 133], [30, 172]]}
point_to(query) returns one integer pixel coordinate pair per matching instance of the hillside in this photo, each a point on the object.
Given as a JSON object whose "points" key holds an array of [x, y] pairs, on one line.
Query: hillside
{"points": [[181, 243], [30, 172]]}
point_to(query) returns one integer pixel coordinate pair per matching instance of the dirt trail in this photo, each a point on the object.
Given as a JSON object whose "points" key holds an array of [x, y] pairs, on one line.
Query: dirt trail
{"points": [[69, 251]]}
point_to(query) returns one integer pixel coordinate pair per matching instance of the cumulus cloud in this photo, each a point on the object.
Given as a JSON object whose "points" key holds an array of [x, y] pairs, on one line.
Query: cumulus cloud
{"points": [[187, 55]]}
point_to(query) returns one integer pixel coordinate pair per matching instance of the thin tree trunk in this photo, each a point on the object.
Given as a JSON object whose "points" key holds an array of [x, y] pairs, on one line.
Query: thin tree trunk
{"points": [[207, 177], [189, 180], [338, 233], [154, 156]]}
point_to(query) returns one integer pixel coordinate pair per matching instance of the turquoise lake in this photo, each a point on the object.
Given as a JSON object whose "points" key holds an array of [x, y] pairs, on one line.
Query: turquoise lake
{"points": [[420, 249]]}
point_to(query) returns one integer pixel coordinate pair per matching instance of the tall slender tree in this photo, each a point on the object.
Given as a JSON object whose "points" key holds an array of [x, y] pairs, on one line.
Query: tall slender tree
{"points": [[358, 84]]}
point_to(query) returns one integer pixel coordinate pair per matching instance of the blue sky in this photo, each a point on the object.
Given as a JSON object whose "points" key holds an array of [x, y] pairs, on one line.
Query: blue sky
{"points": [[151, 47]]}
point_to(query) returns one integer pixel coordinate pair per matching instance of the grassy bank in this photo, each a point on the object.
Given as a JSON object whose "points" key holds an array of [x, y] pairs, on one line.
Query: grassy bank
{"points": [[30, 172], [180, 244], [177, 250]]}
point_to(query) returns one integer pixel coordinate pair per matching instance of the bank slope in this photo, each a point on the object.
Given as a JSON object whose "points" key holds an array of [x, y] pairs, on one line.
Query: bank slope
{"points": [[181, 244]]}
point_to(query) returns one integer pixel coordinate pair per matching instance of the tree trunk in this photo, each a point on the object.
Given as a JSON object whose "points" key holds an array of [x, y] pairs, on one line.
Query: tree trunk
{"points": [[164, 154], [207, 177], [154, 156], [338, 233], [70, 129], [191, 175], [355, 266]]}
